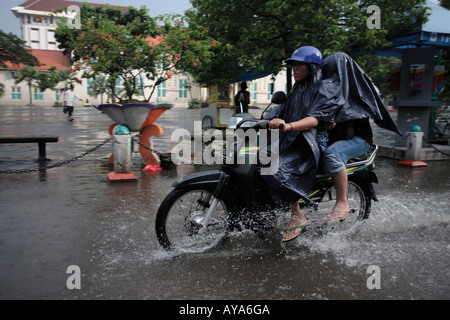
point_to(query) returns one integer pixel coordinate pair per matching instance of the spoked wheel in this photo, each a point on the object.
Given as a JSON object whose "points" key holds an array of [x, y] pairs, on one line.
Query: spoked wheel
{"points": [[360, 204], [207, 123], [179, 221]]}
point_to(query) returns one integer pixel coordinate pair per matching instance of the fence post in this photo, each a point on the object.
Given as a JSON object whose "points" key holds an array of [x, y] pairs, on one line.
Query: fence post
{"points": [[414, 143], [413, 154], [122, 155]]}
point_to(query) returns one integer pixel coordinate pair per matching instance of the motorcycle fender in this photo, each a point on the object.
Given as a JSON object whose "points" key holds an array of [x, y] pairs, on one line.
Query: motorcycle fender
{"points": [[372, 178], [209, 179]]}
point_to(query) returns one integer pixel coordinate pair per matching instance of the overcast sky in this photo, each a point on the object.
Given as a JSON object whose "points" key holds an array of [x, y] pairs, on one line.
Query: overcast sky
{"points": [[9, 22]]}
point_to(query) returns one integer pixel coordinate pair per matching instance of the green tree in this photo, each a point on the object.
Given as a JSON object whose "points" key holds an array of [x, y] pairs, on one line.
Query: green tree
{"points": [[379, 69], [29, 74], [98, 86], [257, 35], [67, 76], [115, 43], [13, 49], [38, 79], [48, 79], [192, 50]]}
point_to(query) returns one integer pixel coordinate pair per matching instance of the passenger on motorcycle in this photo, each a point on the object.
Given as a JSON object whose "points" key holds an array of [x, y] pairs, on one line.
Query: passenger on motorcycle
{"points": [[347, 99]]}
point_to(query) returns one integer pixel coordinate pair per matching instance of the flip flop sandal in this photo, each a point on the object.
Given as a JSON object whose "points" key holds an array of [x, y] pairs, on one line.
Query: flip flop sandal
{"points": [[301, 227], [340, 215]]}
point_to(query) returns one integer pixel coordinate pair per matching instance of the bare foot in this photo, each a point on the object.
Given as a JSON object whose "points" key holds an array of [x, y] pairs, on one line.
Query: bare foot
{"points": [[339, 212]]}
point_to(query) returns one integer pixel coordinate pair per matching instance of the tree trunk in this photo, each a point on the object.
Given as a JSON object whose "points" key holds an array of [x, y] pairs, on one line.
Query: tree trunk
{"points": [[31, 97]]}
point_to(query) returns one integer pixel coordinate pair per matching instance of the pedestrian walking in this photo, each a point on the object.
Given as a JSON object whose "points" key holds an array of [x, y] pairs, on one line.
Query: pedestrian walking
{"points": [[69, 101], [243, 96]]}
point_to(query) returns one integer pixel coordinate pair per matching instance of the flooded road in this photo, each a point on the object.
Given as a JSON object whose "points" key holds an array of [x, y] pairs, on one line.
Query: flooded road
{"points": [[71, 215]]}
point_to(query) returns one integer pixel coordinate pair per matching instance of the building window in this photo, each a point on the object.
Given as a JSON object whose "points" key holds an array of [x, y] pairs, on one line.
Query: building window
{"points": [[183, 88], [161, 90], [16, 93], [12, 74], [38, 94], [51, 41], [88, 86], [58, 94], [34, 37], [254, 90], [52, 46], [38, 19], [270, 90], [119, 87], [140, 86]]}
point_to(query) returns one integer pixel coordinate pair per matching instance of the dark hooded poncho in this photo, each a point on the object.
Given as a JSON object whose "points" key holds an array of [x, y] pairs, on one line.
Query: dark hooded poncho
{"points": [[347, 93], [299, 153]]}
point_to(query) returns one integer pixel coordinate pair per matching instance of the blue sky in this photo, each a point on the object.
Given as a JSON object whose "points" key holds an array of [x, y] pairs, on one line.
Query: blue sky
{"points": [[9, 22]]}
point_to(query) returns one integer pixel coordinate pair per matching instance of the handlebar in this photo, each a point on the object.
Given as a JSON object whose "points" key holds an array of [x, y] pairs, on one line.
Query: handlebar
{"points": [[264, 124]]}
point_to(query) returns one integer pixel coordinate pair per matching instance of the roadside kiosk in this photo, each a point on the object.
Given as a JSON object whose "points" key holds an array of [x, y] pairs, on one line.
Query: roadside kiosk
{"points": [[220, 107]]}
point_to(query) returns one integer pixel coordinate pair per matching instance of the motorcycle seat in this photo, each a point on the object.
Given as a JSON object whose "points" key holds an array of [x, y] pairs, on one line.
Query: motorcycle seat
{"points": [[367, 157]]}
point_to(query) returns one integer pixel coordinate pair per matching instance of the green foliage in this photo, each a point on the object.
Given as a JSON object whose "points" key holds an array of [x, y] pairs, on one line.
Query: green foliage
{"points": [[99, 86], [114, 43], [48, 79], [379, 69], [194, 104], [38, 79], [13, 49], [192, 50], [29, 74], [258, 35], [216, 40]]}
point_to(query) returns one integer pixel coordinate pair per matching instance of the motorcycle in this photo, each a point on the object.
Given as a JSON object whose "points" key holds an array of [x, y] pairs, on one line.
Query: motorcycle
{"points": [[205, 207]]}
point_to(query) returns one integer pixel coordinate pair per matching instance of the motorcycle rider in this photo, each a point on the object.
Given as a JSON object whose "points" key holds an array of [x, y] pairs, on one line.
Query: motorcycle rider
{"points": [[299, 152]]}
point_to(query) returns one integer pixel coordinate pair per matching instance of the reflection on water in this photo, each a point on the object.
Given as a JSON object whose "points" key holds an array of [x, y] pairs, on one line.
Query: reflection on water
{"points": [[75, 216], [406, 239]]}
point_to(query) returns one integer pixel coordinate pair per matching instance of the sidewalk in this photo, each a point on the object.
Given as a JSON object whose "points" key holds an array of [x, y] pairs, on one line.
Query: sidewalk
{"points": [[91, 128], [386, 141]]}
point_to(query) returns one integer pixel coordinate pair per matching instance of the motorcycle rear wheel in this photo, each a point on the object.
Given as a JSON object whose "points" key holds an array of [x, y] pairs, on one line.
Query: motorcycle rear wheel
{"points": [[179, 217]]}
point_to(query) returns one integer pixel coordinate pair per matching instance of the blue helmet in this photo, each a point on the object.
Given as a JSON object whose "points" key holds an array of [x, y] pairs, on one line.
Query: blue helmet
{"points": [[306, 54]]}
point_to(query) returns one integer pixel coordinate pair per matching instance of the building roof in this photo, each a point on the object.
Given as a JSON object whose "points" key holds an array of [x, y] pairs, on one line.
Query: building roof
{"points": [[47, 58], [50, 5]]}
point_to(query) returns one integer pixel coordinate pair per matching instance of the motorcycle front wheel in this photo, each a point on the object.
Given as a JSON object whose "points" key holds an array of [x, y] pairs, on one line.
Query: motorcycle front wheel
{"points": [[179, 221]]}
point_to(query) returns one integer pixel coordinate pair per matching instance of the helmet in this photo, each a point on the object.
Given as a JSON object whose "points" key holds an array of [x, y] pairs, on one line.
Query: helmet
{"points": [[306, 54]]}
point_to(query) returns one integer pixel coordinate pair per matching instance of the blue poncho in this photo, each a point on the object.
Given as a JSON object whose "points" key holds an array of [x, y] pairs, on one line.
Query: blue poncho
{"points": [[299, 153]]}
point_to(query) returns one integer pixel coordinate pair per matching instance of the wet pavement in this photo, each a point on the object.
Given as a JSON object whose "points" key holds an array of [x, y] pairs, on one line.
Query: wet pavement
{"points": [[72, 215]]}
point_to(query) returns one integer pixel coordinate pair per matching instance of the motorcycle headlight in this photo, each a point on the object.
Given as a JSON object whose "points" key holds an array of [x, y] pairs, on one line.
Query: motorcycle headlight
{"points": [[232, 124], [249, 124]]}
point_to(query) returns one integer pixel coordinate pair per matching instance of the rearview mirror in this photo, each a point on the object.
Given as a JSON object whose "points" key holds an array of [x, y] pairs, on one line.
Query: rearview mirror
{"points": [[279, 97]]}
